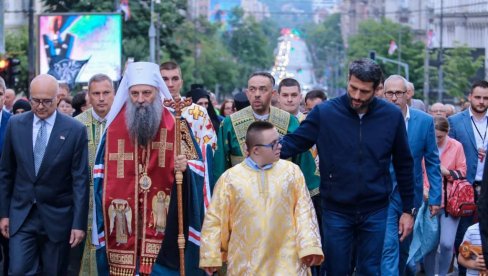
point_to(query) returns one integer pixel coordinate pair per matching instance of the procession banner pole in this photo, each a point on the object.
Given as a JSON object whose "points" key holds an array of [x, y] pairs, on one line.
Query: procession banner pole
{"points": [[178, 104]]}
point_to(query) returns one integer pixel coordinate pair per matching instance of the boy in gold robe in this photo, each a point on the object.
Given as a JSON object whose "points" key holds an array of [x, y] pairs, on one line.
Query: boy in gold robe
{"points": [[261, 219]]}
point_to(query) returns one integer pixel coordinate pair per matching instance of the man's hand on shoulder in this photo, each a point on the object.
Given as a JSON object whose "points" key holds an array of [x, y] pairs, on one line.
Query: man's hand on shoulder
{"points": [[4, 224], [76, 237], [405, 226]]}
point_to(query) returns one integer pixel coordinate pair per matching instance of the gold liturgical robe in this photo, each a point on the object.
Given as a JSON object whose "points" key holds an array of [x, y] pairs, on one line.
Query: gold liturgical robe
{"points": [[262, 220]]}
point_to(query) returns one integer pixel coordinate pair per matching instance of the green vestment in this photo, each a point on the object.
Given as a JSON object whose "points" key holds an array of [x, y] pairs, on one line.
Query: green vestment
{"points": [[94, 130]]}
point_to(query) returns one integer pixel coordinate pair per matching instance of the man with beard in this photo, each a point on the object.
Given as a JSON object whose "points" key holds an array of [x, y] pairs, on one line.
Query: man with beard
{"points": [[469, 128], [134, 173], [357, 137]]}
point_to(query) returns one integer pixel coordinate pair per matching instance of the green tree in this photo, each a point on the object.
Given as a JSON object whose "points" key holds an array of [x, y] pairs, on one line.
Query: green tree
{"points": [[327, 49], [376, 36], [459, 68], [16, 45], [248, 42]]}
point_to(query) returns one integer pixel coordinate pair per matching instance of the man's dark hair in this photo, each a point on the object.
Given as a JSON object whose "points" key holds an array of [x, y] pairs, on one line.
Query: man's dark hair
{"points": [[253, 134], [78, 102], [366, 70], [289, 82], [65, 86], [314, 94], [264, 74], [169, 65], [99, 78], [480, 83]]}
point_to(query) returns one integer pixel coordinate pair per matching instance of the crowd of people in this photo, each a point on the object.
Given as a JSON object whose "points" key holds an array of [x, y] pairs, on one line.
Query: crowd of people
{"points": [[276, 180]]}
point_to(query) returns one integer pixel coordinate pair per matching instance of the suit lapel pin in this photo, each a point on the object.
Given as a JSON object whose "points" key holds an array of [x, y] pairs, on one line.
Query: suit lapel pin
{"points": [[61, 137]]}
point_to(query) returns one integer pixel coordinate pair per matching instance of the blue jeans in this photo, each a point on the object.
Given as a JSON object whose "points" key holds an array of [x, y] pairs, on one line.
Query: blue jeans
{"points": [[391, 248], [365, 232]]}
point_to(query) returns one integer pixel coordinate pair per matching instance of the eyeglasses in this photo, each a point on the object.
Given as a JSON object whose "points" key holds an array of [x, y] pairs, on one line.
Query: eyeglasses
{"points": [[272, 145], [398, 94], [44, 102]]}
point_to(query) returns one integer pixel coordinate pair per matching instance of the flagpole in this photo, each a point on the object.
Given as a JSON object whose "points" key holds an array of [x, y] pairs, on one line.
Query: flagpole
{"points": [[178, 104]]}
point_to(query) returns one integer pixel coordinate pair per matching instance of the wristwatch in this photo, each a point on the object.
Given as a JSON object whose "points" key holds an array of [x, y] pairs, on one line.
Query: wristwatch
{"points": [[413, 212]]}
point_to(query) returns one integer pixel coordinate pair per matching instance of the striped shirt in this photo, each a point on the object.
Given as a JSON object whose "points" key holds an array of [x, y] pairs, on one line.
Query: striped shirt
{"points": [[473, 236]]}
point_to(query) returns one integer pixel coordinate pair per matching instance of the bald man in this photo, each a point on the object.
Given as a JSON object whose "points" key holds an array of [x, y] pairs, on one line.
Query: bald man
{"points": [[44, 184], [438, 109], [8, 99]]}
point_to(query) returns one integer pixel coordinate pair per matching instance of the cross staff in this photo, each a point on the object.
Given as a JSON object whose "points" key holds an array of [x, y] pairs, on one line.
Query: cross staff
{"points": [[178, 104]]}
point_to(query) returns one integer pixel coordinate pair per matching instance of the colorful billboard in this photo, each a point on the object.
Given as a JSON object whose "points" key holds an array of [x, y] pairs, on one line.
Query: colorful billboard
{"points": [[74, 47]]}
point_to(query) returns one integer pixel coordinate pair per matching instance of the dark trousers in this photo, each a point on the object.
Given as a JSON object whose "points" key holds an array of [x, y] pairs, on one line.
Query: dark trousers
{"points": [[32, 253], [362, 232], [4, 254], [316, 200], [75, 257]]}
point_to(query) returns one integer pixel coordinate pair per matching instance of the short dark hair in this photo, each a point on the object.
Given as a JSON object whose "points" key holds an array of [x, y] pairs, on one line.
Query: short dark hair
{"points": [[441, 123], [264, 74], [315, 94], [480, 83], [366, 70], [289, 82], [65, 86], [169, 65], [66, 100], [78, 102], [253, 134]]}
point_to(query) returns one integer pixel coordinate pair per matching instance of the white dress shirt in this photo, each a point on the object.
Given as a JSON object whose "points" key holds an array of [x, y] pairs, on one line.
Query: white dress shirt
{"points": [[479, 130]]}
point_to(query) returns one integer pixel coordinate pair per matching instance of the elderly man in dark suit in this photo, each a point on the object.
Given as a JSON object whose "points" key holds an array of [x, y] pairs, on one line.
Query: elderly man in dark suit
{"points": [[4, 117], [43, 184]]}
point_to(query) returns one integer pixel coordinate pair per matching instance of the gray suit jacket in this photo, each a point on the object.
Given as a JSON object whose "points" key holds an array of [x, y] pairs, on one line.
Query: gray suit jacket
{"points": [[61, 188]]}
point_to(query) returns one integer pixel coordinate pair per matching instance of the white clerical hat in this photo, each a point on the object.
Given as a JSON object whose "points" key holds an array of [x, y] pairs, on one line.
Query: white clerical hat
{"points": [[137, 73]]}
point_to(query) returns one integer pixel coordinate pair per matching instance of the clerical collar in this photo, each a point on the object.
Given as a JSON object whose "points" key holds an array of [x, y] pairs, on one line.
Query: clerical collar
{"points": [[264, 117], [98, 118], [255, 166]]}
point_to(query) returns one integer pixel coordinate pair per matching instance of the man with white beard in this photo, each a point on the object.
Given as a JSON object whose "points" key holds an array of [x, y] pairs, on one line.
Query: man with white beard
{"points": [[134, 173]]}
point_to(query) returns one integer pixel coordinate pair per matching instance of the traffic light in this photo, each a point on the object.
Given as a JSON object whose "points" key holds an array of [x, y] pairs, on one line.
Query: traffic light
{"points": [[372, 55], [14, 71], [4, 62], [10, 70]]}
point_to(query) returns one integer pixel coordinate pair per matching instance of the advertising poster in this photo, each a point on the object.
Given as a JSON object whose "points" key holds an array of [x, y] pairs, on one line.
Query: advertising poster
{"points": [[74, 47]]}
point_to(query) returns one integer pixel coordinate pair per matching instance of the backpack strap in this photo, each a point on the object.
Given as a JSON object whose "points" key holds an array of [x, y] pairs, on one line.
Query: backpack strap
{"points": [[445, 194]]}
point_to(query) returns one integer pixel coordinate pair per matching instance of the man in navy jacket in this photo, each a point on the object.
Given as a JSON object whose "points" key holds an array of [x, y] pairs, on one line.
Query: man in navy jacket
{"points": [[357, 137]]}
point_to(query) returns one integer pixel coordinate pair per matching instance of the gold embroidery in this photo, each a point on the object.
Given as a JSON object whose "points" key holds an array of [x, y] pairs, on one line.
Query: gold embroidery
{"points": [[160, 206], [195, 112], [120, 156], [162, 146], [126, 259], [120, 215], [187, 145]]}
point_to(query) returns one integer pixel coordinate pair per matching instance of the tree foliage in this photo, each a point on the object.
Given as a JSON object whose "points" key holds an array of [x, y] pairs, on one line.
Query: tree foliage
{"points": [[16, 45], [327, 49], [250, 44], [459, 69]]}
